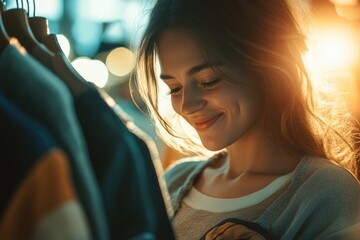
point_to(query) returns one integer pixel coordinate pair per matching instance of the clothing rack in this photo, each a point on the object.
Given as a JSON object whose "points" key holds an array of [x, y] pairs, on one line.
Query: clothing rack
{"points": [[74, 166]]}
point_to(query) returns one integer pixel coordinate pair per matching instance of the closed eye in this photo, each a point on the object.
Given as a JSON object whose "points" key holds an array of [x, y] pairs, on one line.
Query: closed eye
{"points": [[174, 90], [211, 84], [207, 85]]}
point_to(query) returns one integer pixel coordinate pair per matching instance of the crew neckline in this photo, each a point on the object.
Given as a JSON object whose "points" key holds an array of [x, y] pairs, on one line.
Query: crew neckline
{"points": [[199, 201]]}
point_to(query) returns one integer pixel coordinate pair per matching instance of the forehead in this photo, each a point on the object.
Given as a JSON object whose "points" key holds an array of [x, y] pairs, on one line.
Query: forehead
{"points": [[176, 37], [178, 47]]}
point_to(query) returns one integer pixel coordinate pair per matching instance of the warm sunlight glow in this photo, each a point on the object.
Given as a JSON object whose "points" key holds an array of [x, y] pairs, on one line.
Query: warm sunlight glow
{"points": [[331, 60], [348, 11], [120, 61], [331, 50], [93, 71], [344, 2]]}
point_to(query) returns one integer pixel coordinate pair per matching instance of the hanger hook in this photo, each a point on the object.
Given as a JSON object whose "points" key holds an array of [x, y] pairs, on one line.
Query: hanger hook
{"points": [[22, 4], [4, 4], [28, 8], [34, 5], [17, 4]]}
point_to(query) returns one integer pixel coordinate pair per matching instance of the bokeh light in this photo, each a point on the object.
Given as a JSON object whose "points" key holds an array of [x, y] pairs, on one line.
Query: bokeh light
{"points": [[93, 71], [64, 44], [120, 61]]}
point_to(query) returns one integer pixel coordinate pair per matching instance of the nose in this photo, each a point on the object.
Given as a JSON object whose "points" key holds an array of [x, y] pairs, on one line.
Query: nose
{"points": [[192, 100]]}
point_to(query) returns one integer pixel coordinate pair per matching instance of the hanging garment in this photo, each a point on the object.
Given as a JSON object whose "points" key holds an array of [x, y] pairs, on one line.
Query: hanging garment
{"points": [[125, 170], [38, 200], [46, 99]]}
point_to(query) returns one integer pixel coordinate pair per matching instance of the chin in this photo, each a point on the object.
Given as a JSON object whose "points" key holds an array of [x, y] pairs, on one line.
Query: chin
{"points": [[213, 146]]}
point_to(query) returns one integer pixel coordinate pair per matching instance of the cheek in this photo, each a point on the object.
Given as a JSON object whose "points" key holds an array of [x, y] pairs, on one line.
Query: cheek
{"points": [[225, 100], [253, 106], [176, 104], [238, 101]]}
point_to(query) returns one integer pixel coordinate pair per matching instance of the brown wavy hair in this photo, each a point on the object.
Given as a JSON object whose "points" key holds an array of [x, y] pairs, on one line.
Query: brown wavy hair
{"points": [[262, 37]]}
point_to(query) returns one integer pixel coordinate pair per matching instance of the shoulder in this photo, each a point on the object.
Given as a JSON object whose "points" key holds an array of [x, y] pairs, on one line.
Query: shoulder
{"points": [[325, 188], [322, 196], [180, 176], [182, 173], [184, 165], [181, 170], [321, 173]]}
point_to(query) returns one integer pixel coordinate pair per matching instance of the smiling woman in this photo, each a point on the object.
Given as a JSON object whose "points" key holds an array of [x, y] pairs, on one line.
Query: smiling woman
{"points": [[208, 101], [235, 76]]}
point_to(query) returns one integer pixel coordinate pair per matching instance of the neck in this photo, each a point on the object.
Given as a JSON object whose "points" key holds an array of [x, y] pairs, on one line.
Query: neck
{"points": [[257, 153]]}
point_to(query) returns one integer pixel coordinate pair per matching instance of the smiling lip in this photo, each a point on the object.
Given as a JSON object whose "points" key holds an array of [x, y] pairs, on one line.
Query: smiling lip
{"points": [[204, 124]]}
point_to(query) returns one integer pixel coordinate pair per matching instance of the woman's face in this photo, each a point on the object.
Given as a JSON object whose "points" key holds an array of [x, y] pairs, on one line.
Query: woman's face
{"points": [[221, 111]]}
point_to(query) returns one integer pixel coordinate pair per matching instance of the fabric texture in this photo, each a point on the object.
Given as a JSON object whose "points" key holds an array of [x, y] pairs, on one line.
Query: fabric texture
{"points": [[199, 201], [22, 143], [125, 170], [45, 205], [321, 202], [188, 217], [35, 182], [234, 228], [45, 98]]}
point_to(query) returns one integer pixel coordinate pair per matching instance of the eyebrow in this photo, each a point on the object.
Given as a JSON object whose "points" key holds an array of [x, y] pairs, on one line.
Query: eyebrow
{"points": [[192, 70]]}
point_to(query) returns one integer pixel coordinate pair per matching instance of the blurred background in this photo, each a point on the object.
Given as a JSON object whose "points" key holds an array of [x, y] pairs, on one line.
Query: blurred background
{"points": [[99, 37]]}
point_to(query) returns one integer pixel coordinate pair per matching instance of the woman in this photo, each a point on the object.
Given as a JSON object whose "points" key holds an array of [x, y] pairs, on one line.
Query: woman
{"points": [[284, 164]]}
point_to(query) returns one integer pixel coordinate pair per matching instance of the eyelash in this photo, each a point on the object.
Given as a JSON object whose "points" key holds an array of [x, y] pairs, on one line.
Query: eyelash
{"points": [[210, 84], [207, 85]]}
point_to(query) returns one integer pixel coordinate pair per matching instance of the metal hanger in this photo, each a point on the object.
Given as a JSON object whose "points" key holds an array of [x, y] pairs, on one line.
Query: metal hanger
{"points": [[60, 65], [17, 25], [40, 27], [4, 37]]}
